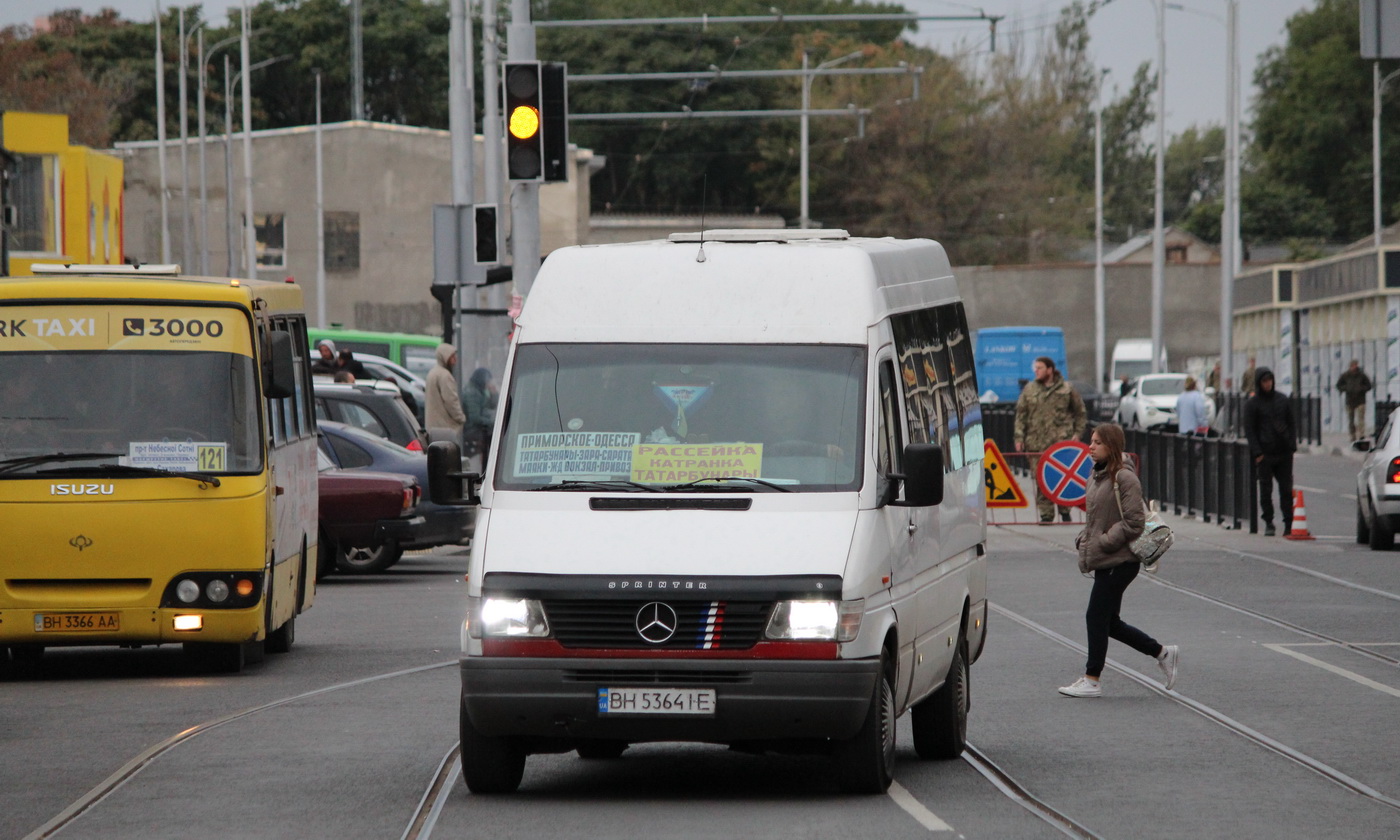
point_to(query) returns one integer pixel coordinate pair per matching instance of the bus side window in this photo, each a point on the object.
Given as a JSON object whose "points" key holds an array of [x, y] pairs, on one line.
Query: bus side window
{"points": [[305, 422], [889, 448], [277, 430]]}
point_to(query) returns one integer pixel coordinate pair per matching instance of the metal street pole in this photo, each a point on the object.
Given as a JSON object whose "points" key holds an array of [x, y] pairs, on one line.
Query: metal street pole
{"points": [[230, 230], [804, 216], [1159, 246], [320, 218], [250, 247], [203, 192], [1376, 152], [357, 63], [160, 144], [460, 106], [187, 255], [1227, 216], [491, 134], [1099, 330], [525, 195]]}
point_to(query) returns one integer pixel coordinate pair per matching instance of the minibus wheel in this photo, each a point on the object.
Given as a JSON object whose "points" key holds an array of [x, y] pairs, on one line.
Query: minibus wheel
{"points": [[489, 764], [865, 763], [940, 721]]}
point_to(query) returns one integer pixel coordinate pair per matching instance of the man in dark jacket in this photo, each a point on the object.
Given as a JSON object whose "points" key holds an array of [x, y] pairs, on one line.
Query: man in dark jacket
{"points": [[1268, 425], [1355, 383]]}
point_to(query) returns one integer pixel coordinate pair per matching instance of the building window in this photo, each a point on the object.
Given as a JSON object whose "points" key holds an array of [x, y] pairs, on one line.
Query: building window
{"points": [[1176, 253], [34, 194], [270, 231], [342, 241]]}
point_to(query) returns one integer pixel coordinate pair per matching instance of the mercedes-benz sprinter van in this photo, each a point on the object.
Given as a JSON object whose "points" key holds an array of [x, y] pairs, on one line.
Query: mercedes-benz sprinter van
{"points": [[735, 495]]}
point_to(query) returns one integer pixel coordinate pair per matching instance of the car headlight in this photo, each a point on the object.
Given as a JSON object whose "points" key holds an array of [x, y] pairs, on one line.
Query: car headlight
{"points": [[507, 617], [815, 620], [1151, 410]]}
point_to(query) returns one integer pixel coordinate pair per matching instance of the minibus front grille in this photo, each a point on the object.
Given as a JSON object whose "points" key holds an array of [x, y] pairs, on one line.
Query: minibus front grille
{"points": [[698, 625]]}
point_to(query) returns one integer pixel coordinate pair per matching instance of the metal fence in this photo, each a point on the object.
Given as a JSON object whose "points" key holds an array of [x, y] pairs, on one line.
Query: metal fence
{"points": [[1212, 478], [1307, 416]]}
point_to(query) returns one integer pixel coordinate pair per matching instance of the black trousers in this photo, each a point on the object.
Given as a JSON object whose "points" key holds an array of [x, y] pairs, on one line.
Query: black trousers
{"points": [[1102, 621], [1276, 468]]}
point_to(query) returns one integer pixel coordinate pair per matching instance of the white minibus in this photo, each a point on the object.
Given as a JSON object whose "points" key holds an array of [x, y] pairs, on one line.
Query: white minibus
{"points": [[736, 496]]}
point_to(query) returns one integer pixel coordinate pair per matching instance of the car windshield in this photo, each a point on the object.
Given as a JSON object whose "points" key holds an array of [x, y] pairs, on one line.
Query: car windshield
{"points": [[637, 417], [164, 409], [1168, 387]]}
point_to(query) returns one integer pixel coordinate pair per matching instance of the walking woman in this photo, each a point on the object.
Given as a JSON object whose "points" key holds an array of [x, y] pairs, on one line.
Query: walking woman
{"points": [[1114, 518]]}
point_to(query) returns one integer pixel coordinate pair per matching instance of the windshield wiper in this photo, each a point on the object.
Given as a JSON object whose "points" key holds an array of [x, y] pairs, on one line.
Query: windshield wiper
{"points": [[598, 484], [695, 485], [203, 478], [10, 465]]}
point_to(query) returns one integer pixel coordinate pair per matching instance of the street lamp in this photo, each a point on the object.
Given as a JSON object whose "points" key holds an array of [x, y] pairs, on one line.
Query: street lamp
{"points": [[229, 85], [802, 219], [204, 59], [1159, 246]]}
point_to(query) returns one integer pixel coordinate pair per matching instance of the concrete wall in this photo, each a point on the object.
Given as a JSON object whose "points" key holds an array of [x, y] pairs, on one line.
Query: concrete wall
{"points": [[1063, 296], [390, 175]]}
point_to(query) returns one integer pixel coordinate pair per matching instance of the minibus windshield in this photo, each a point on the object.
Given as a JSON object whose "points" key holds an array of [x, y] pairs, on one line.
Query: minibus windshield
{"points": [[166, 410], [685, 418]]}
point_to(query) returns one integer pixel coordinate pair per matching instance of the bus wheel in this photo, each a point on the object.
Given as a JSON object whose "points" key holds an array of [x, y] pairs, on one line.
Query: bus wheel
{"points": [[281, 639], [489, 765], [220, 657], [365, 561], [865, 763], [940, 721]]}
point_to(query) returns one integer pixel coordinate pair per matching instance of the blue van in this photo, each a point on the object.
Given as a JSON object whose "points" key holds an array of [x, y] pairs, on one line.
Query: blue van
{"points": [[1004, 356]]}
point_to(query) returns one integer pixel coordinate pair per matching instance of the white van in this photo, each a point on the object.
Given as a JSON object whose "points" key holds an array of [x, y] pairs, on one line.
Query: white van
{"points": [[1132, 357], [735, 495]]}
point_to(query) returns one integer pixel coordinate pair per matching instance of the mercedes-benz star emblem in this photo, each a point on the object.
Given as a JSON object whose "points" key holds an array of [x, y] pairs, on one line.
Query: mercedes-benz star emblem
{"points": [[656, 623]]}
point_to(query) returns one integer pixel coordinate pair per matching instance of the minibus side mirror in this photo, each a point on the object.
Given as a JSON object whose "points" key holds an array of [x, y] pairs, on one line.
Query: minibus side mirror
{"points": [[279, 368], [447, 483], [922, 477]]}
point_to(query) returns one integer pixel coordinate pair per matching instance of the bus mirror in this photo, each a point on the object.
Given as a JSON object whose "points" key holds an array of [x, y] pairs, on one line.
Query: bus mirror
{"points": [[923, 476], [447, 484], [279, 368]]}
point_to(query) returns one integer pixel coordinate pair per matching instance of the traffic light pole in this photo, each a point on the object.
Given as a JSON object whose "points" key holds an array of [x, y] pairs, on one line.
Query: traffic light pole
{"points": [[525, 195]]}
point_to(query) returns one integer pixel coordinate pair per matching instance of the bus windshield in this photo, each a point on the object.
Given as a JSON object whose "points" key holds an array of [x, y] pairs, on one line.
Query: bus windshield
{"points": [[683, 418], [165, 409]]}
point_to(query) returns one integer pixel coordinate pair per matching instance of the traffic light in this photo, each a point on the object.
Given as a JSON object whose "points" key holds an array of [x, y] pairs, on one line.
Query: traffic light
{"points": [[524, 146], [484, 225], [554, 110]]}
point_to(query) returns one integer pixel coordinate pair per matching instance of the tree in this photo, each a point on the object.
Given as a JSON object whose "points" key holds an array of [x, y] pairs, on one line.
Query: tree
{"points": [[1312, 126]]}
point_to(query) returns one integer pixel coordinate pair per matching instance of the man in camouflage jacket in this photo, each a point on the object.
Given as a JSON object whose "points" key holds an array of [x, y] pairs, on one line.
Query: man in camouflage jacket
{"points": [[1048, 411]]}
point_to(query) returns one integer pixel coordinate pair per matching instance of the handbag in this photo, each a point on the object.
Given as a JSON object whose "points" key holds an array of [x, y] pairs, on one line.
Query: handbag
{"points": [[1156, 536]]}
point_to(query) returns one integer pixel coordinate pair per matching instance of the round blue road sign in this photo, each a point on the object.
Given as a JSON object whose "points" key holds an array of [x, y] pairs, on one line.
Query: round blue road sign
{"points": [[1063, 471]]}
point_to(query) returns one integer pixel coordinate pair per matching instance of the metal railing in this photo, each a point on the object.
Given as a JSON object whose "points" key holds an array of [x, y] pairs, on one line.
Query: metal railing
{"points": [[1307, 416], [1212, 478]]}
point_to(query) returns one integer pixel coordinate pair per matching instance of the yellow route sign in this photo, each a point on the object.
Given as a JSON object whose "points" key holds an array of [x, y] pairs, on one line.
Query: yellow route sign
{"points": [[1002, 489]]}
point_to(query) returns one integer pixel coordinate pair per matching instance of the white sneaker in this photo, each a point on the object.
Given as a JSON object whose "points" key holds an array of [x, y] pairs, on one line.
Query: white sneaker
{"points": [[1167, 661], [1082, 687]]}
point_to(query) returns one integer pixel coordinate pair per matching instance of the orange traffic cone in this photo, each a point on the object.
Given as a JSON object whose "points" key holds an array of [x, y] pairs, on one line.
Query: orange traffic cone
{"points": [[1299, 531]]}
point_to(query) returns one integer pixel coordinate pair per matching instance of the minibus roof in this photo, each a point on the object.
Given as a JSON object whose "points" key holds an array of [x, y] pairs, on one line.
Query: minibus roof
{"points": [[745, 286]]}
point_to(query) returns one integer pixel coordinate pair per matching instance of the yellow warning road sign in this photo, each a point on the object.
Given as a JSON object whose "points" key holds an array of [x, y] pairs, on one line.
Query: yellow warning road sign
{"points": [[1002, 489]]}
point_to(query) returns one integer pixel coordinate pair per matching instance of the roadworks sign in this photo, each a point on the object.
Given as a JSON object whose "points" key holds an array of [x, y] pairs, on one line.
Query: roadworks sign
{"points": [[1002, 489]]}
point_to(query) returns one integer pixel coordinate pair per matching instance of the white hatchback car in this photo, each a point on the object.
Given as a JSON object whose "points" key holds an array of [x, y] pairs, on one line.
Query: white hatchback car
{"points": [[1378, 487], [1151, 402]]}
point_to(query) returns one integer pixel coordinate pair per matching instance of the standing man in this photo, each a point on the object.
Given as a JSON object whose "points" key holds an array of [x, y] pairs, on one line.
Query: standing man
{"points": [[443, 412], [1355, 383], [1268, 425], [1247, 379], [1048, 411]]}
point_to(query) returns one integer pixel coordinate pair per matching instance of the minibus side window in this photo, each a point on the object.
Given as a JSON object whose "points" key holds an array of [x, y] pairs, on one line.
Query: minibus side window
{"points": [[889, 449]]}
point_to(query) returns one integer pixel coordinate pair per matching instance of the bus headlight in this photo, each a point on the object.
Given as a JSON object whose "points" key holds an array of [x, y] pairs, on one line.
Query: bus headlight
{"points": [[187, 591], [511, 617], [217, 591], [815, 620]]}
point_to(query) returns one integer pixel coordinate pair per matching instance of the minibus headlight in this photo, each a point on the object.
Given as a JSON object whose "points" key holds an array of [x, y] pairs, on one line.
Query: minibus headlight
{"points": [[217, 591], [512, 617], [187, 591], [815, 620]]}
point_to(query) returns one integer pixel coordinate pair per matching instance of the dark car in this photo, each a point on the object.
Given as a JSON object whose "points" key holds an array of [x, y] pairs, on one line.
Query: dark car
{"points": [[375, 407], [362, 510], [355, 449]]}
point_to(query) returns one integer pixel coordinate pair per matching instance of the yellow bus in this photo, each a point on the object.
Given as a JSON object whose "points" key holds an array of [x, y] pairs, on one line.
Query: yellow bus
{"points": [[158, 476]]}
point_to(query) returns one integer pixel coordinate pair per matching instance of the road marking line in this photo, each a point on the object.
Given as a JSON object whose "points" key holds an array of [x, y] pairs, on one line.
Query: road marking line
{"points": [[1313, 489], [1341, 672], [915, 809]]}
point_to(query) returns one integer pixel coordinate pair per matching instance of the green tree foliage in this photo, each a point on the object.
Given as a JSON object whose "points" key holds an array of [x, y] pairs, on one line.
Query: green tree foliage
{"points": [[1312, 127]]}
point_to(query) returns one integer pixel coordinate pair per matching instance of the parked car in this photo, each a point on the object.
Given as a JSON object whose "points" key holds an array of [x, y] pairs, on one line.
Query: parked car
{"points": [[362, 510], [1378, 487], [1151, 402], [355, 449], [375, 407], [413, 388]]}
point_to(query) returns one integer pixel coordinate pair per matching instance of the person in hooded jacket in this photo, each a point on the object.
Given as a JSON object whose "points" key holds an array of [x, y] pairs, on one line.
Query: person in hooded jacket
{"points": [[1114, 517], [325, 360], [1268, 426], [444, 407], [479, 398]]}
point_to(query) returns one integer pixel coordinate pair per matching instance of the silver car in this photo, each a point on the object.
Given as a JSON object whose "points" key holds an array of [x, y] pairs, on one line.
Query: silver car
{"points": [[1378, 487]]}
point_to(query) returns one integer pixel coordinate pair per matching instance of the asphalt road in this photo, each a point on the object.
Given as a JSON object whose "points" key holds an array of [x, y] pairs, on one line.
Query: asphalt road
{"points": [[1281, 726]]}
